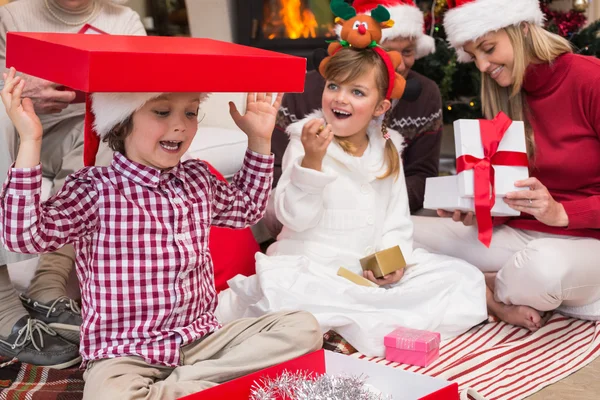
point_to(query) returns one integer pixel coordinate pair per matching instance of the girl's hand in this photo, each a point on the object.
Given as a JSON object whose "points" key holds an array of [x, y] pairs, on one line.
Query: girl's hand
{"points": [[259, 121], [388, 279], [20, 110], [538, 202], [468, 219], [315, 139]]}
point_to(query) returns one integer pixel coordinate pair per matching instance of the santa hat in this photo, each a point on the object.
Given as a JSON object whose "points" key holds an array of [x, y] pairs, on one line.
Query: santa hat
{"points": [[119, 74], [468, 20], [408, 22]]}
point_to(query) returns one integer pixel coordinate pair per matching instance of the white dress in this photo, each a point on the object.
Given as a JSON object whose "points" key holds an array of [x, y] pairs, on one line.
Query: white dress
{"points": [[334, 217]]}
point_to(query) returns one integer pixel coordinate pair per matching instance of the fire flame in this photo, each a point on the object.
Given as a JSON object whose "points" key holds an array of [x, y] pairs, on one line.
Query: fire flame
{"points": [[295, 20]]}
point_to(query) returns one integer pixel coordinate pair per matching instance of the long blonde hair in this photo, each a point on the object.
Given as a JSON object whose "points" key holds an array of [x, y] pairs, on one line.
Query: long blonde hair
{"points": [[533, 44], [346, 66]]}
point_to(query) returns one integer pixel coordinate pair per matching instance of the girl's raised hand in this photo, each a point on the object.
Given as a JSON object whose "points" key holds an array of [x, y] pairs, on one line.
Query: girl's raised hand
{"points": [[20, 110], [259, 120], [315, 139]]}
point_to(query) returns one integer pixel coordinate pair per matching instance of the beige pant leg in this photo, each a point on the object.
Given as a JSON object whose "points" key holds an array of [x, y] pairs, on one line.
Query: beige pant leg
{"points": [[11, 309], [131, 378], [445, 236], [239, 348], [551, 271], [52, 275], [248, 345]]}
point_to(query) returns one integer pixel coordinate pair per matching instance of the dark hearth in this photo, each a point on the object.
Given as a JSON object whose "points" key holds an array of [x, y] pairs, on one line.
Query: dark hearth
{"points": [[296, 27]]}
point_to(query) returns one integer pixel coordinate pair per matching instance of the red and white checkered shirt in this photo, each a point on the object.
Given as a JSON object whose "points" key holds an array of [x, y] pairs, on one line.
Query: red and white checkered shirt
{"points": [[141, 238]]}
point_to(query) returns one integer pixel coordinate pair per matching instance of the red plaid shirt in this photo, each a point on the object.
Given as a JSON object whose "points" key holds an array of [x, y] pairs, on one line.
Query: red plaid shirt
{"points": [[141, 238]]}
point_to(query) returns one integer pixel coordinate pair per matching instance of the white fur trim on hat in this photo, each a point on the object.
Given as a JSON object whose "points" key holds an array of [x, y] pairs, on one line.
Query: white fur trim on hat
{"points": [[473, 20], [408, 23], [110, 109]]}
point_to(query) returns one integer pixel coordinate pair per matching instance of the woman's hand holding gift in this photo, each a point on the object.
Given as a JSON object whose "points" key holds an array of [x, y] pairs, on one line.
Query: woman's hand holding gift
{"points": [[538, 202], [468, 219]]}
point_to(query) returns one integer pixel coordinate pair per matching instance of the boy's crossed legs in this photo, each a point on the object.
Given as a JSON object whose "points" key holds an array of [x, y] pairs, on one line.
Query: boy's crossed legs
{"points": [[238, 348]]}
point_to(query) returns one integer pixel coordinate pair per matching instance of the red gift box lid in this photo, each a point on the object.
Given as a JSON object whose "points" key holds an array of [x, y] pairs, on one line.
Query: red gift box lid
{"points": [[412, 339], [115, 63]]}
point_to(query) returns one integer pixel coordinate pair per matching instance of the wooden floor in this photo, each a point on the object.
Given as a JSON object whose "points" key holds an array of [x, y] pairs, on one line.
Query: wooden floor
{"points": [[582, 385]]}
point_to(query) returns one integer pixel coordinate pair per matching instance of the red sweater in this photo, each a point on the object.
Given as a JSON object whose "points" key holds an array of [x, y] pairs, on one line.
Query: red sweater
{"points": [[564, 102]]}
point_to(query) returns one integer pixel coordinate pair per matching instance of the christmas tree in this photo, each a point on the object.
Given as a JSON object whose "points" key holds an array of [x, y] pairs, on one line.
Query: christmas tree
{"points": [[459, 83]]}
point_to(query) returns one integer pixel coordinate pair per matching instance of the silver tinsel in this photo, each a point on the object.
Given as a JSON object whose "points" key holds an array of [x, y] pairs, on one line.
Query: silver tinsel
{"points": [[309, 386]]}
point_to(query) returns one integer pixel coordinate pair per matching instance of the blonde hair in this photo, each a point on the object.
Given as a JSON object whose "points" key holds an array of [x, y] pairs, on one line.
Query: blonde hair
{"points": [[533, 45], [347, 65]]}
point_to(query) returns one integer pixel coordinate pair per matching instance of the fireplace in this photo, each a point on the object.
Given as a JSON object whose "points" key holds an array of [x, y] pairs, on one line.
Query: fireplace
{"points": [[295, 27]]}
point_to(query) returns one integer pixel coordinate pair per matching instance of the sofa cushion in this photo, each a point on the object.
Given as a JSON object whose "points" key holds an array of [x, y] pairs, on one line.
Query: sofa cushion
{"points": [[232, 251], [223, 148]]}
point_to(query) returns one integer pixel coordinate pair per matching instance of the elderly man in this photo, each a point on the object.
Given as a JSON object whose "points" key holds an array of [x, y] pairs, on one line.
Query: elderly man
{"points": [[42, 327]]}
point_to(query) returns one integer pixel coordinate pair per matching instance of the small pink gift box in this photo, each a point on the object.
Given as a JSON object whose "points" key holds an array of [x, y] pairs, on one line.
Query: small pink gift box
{"points": [[412, 346]]}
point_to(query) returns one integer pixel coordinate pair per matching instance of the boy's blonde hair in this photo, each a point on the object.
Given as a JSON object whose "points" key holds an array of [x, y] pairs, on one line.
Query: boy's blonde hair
{"points": [[531, 43], [347, 65]]}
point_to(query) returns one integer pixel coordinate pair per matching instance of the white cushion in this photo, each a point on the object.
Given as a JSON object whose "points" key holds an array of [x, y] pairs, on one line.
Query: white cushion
{"points": [[223, 148]]}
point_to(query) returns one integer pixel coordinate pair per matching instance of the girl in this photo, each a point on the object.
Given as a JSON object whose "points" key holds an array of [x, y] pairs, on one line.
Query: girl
{"points": [[341, 197], [543, 259]]}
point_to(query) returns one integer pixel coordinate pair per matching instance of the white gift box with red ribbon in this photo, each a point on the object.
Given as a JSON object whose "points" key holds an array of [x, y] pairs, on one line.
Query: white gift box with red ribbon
{"points": [[491, 155], [467, 142]]}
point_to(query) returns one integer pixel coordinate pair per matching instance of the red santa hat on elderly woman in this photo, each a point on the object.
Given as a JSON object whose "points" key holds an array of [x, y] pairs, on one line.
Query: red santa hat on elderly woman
{"points": [[408, 22], [468, 20]]}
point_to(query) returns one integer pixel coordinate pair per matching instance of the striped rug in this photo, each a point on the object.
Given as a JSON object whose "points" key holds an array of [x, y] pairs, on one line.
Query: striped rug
{"points": [[502, 362]]}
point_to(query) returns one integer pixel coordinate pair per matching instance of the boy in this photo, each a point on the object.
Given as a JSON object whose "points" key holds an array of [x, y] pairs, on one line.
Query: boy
{"points": [[140, 229]]}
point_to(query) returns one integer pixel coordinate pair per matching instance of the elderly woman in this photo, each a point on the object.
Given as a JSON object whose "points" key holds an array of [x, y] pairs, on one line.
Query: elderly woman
{"points": [[42, 328]]}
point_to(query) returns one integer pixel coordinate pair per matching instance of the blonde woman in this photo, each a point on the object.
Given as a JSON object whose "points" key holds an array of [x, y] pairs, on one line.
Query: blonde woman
{"points": [[546, 258]]}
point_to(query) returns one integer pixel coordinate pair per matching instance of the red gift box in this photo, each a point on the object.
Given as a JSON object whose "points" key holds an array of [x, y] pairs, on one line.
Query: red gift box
{"points": [[115, 63], [398, 383], [412, 346]]}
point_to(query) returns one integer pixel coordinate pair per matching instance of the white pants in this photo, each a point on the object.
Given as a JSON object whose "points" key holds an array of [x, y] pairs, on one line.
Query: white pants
{"points": [[539, 270]]}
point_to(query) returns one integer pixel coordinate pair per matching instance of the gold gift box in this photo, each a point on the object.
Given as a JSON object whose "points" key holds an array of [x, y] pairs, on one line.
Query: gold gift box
{"points": [[351, 276], [384, 262]]}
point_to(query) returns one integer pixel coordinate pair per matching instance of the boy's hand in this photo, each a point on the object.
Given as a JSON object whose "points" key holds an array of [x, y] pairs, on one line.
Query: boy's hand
{"points": [[315, 139], [259, 121], [20, 111], [388, 279]]}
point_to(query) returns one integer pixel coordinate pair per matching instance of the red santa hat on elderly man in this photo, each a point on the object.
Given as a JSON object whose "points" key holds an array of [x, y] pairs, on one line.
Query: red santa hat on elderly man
{"points": [[468, 20], [408, 22]]}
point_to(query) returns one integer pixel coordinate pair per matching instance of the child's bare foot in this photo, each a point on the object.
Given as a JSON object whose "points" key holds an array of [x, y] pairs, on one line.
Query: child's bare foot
{"points": [[523, 316]]}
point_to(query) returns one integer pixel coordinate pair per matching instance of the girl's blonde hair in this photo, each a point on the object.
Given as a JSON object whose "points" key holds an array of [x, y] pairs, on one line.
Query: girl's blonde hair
{"points": [[531, 44], [347, 65]]}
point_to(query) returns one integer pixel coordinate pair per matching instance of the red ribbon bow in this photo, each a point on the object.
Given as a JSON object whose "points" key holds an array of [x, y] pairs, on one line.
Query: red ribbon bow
{"points": [[491, 133]]}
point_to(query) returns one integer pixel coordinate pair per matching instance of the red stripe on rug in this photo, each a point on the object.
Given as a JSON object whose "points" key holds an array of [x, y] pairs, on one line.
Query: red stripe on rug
{"points": [[572, 369]]}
